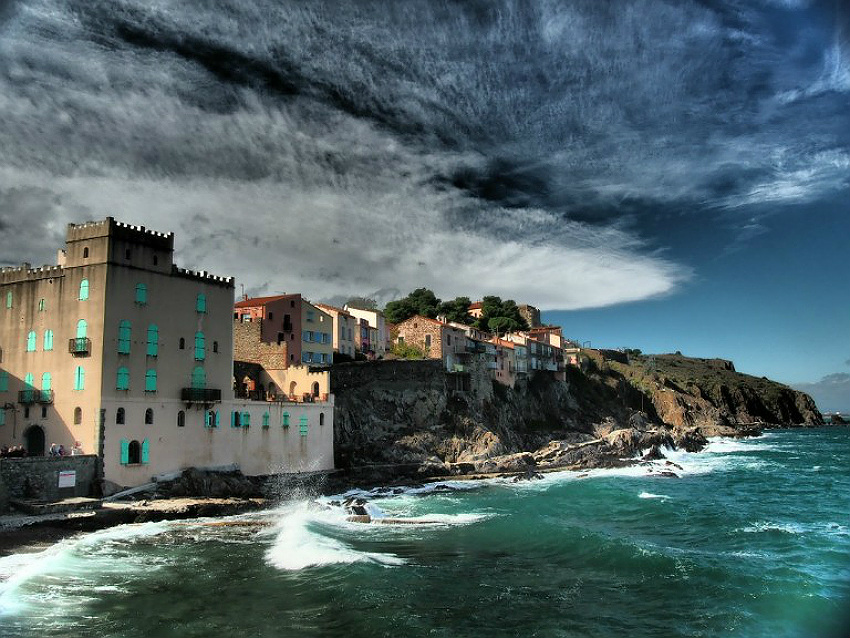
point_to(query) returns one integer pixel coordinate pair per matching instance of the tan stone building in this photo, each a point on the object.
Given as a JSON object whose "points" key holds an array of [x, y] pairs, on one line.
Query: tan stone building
{"points": [[436, 339], [118, 352]]}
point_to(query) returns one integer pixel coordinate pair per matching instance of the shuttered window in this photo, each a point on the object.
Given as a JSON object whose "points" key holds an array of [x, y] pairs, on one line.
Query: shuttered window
{"points": [[79, 378], [48, 340], [82, 328], [122, 379], [124, 332], [153, 340], [201, 304], [200, 346], [84, 289], [150, 381], [302, 425], [199, 378], [141, 294], [31, 341], [266, 418]]}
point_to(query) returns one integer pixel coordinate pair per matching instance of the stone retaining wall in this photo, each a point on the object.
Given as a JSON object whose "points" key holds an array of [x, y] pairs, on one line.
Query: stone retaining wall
{"points": [[37, 477]]}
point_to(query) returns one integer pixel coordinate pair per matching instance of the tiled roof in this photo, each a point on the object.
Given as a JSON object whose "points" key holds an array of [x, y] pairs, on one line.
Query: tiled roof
{"points": [[475, 306], [258, 301], [333, 308]]}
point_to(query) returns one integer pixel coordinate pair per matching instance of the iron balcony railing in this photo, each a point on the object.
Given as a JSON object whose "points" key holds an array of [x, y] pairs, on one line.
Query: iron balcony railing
{"points": [[200, 395], [79, 345], [30, 396]]}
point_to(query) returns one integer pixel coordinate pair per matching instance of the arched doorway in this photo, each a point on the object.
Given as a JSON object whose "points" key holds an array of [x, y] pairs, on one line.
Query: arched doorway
{"points": [[315, 389], [35, 440], [292, 387]]}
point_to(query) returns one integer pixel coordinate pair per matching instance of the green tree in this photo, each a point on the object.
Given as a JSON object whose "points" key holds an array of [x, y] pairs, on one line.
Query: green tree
{"points": [[407, 351], [421, 301], [493, 307], [501, 325], [456, 310]]}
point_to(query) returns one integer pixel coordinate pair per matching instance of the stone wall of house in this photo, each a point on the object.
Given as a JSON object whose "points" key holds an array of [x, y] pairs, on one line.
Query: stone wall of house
{"points": [[37, 477], [247, 346], [414, 331]]}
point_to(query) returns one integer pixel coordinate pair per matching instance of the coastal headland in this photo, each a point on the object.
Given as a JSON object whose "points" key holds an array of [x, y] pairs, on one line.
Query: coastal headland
{"points": [[403, 422]]}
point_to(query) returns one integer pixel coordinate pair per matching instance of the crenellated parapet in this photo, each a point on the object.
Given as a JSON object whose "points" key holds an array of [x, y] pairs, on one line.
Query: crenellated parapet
{"points": [[203, 275], [25, 272]]}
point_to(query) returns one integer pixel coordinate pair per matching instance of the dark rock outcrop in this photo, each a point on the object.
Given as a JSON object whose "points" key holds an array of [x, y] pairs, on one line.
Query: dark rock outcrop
{"points": [[411, 418]]}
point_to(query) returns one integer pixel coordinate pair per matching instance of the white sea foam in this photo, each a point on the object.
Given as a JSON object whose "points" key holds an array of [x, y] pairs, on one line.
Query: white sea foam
{"points": [[650, 495], [300, 542], [66, 560]]}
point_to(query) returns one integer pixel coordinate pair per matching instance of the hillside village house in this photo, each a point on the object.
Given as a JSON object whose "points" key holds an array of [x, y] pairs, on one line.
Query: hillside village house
{"points": [[377, 341], [115, 351], [343, 330]]}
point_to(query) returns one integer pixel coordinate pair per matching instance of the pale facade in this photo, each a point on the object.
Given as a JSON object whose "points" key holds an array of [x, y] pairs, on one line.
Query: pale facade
{"points": [[379, 339], [344, 336], [117, 352]]}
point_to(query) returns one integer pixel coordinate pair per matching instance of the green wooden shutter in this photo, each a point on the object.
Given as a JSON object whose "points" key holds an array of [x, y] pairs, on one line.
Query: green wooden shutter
{"points": [[125, 451], [4, 381], [153, 340], [233, 419], [302, 425], [266, 417], [246, 419], [201, 303], [145, 452], [207, 419], [217, 418]]}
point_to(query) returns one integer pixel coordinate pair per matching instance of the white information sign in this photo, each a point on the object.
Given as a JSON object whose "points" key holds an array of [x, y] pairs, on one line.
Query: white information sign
{"points": [[67, 478]]}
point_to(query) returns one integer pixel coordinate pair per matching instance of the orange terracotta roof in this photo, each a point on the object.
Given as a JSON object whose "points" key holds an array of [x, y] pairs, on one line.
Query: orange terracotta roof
{"points": [[259, 301], [334, 308], [424, 318], [476, 305]]}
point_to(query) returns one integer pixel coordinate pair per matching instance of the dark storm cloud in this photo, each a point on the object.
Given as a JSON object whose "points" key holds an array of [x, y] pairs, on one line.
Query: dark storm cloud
{"points": [[362, 139]]}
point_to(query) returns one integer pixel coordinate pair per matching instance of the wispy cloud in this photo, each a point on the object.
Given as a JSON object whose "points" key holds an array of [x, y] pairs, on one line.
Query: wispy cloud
{"points": [[334, 148]]}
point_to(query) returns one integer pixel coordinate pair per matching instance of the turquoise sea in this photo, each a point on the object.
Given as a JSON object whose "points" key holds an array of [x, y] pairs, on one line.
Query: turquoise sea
{"points": [[752, 540]]}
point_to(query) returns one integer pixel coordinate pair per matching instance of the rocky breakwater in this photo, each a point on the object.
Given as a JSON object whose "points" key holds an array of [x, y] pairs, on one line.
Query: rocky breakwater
{"points": [[408, 420]]}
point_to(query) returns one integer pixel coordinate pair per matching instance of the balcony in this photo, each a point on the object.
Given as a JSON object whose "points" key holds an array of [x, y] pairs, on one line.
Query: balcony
{"points": [[476, 348], [28, 397], [200, 395], [79, 346], [44, 396]]}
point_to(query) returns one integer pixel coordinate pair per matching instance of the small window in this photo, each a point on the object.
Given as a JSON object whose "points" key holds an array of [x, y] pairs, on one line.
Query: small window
{"points": [[134, 453], [122, 379], [285, 420], [27, 412], [86, 252], [124, 333], [321, 418], [235, 419], [266, 417], [182, 344], [271, 316], [150, 381], [246, 419], [449, 339], [128, 253], [44, 412], [119, 416], [42, 304], [79, 379], [48, 340], [78, 416], [215, 346], [181, 419], [201, 304], [155, 260], [427, 341], [149, 416], [31, 341], [9, 299], [153, 340], [141, 294], [212, 419], [200, 347], [84, 290]]}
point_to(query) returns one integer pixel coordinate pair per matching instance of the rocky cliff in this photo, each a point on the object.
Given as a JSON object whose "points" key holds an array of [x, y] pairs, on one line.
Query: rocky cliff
{"points": [[411, 417]]}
